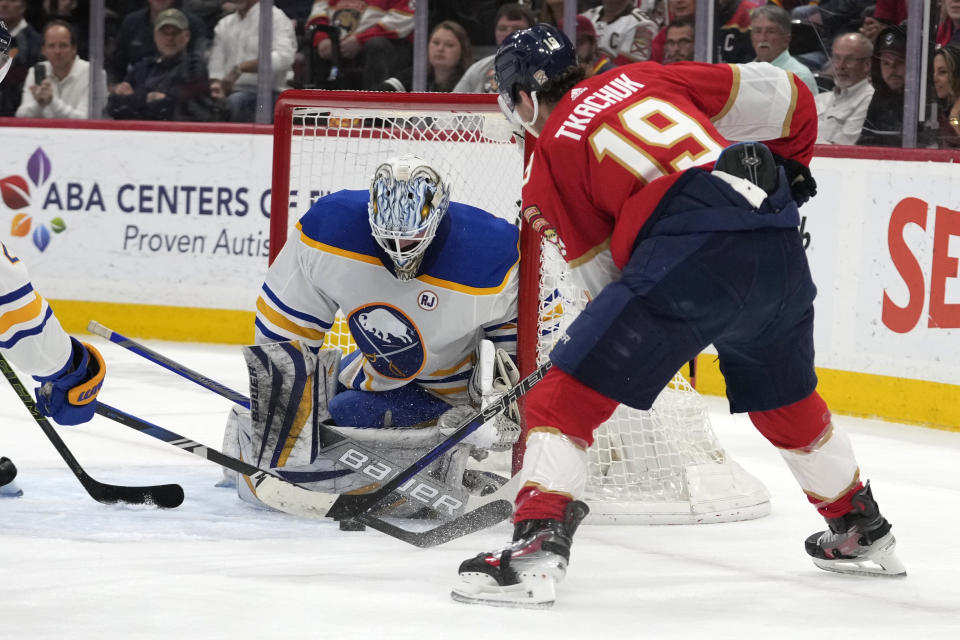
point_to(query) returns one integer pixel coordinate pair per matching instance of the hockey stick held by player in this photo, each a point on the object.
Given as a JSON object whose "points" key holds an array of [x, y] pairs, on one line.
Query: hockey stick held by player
{"points": [[676, 255]]}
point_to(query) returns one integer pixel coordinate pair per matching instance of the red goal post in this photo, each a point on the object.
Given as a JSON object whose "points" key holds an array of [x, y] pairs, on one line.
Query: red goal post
{"points": [[659, 466]]}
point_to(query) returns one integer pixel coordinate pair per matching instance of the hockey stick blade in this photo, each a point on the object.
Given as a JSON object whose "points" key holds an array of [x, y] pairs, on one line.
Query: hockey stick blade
{"points": [[350, 506], [291, 498], [299, 501], [336, 442], [482, 517], [167, 496]]}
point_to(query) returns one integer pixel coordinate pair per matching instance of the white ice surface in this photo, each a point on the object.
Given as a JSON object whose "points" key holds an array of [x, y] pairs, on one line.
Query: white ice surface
{"points": [[216, 568]]}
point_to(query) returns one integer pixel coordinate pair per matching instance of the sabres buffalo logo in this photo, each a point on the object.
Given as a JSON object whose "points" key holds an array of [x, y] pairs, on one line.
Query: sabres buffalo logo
{"points": [[388, 339]]}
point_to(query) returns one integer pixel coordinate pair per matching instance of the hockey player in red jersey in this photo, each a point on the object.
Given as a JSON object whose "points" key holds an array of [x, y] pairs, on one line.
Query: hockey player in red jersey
{"points": [[676, 254]]}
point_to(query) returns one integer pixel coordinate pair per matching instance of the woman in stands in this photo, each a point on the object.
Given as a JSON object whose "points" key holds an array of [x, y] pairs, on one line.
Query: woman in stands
{"points": [[448, 56], [946, 84]]}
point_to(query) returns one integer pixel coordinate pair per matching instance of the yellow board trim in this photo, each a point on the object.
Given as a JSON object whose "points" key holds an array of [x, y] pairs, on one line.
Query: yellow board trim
{"points": [[865, 395], [158, 322]]}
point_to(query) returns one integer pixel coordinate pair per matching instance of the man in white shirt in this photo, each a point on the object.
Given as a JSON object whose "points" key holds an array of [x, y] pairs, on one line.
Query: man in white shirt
{"points": [[64, 92], [234, 58], [770, 36], [841, 112]]}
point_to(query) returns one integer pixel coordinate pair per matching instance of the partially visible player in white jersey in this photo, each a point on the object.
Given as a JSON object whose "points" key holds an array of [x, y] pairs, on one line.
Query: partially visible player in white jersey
{"points": [[625, 30], [420, 280], [69, 372]]}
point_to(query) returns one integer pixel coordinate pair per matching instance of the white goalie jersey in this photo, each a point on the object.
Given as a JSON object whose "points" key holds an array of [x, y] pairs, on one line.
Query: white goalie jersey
{"points": [[30, 335], [423, 330]]}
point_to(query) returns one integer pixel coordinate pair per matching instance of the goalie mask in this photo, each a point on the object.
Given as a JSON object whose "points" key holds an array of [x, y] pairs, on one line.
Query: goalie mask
{"points": [[407, 201]]}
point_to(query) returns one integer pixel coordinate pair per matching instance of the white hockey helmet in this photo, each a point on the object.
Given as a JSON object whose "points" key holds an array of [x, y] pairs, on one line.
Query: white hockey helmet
{"points": [[407, 201]]}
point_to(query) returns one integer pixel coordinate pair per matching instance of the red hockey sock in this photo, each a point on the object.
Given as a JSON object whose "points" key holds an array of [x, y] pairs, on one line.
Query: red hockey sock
{"points": [[534, 504], [839, 507]]}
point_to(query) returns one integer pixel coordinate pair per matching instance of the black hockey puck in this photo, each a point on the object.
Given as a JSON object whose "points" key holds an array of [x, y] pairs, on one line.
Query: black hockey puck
{"points": [[352, 525]]}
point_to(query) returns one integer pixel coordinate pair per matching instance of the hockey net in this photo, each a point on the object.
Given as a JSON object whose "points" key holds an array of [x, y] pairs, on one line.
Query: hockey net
{"points": [[659, 466]]}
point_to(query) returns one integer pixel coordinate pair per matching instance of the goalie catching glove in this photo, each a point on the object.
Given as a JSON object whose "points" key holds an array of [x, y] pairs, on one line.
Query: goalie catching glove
{"points": [[493, 375], [69, 396]]}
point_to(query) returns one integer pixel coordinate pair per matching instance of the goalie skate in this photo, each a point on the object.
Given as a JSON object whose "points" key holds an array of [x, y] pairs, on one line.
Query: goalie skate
{"points": [[858, 543], [526, 572]]}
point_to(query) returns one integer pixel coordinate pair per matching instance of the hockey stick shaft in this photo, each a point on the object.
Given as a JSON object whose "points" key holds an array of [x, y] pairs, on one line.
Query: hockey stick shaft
{"points": [[296, 500], [346, 506], [212, 385], [145, 352], [350, 506], [167, 496]]}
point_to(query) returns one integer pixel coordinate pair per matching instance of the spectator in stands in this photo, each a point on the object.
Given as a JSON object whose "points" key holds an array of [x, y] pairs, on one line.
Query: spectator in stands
{"points": [[551, 11], [234, 59], [679, 10], [375, 38], [770, 36], [885, 14], [949, 29], [841, 112], [678, 45], [24, 53], [733, 37], [479, 78], [208, 11], [173, 85], [65, 89], [588, 53], [946, 84], [625, 33], [883, 125], [135, 39], [448, 56]]}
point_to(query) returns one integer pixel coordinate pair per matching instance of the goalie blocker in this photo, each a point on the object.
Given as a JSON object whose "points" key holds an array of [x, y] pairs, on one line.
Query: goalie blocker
{"points": [[289, 430]]}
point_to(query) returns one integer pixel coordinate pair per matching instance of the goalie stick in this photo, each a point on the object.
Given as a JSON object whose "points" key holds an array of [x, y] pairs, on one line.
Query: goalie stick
{"points": [[291, 498], [167, 496], [355, 458], [349, 506]]}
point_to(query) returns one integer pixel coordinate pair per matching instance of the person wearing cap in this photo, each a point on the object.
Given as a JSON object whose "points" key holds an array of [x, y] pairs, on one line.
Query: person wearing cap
{"points": [[172, 85], [135, 38], [624, 32], [65, 88], [883, 125], [478, 78]]}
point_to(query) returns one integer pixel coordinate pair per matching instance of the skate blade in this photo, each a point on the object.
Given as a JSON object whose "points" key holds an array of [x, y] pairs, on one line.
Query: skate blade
{"points": [[533, 594], [883, 562]]}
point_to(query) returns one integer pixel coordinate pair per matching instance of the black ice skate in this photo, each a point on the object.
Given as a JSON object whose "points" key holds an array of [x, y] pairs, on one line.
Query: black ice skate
{"points": [[859, 542], [8, 488], [524, 573]]}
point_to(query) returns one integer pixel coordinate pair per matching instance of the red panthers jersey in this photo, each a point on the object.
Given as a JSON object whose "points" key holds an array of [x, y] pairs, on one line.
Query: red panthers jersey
{"points": [[616, 142]]}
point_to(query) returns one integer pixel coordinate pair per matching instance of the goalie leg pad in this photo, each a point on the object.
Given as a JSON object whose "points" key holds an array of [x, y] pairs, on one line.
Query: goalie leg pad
{"points": [[290, 390]]}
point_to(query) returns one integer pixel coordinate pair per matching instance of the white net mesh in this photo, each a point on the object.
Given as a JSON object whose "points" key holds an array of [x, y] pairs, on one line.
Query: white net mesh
{"points": [[664, 465]]}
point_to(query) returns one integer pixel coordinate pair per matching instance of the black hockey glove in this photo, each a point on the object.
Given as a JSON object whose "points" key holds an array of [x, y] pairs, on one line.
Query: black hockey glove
{"points": [[802, 185]]}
